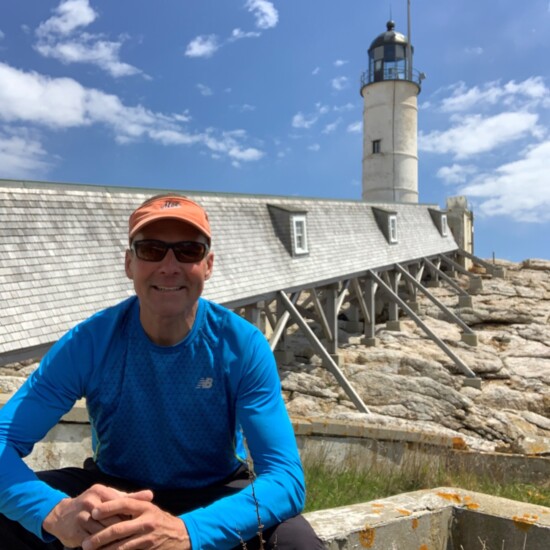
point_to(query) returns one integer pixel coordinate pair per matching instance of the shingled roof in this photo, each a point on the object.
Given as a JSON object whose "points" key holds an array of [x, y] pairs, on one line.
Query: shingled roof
{"points": [[62, 250]]}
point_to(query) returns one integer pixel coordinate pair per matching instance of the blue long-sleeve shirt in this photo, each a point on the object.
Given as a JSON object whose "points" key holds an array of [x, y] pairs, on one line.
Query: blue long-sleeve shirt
{"points": [[163, 417]]}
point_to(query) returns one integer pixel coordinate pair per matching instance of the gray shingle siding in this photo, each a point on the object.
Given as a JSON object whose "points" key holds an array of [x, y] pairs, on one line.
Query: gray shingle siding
{"points": [[62, 250]]}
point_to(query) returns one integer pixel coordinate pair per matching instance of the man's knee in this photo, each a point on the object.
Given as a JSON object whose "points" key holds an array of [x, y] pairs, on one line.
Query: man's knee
{"points": [[293, 534]]}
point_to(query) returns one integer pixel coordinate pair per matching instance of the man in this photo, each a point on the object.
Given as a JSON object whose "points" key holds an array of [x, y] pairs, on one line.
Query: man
{"points": [[172, 382]]}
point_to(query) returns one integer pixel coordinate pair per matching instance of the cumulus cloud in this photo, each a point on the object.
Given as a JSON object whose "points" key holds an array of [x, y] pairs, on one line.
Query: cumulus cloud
{"points": [[340, 62], [314, 147], [205, 90], [28, 98], [301, 120], [238, 34], [2, 35], [329, 128], [68, 16], [202, 46], [519, 189], [476, 50], [456, 173], [355, 127], [59, 38], [474, 134], [22, 155], [265, 13], [315, 71], [340, 82], [512, 94]]}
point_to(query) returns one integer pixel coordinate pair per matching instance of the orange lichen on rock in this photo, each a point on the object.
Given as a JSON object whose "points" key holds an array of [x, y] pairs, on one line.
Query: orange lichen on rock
{"points": [[404, 512], [453, 497], [415, 523], [459, 444], [366, 537], [423, 547], [525, 522]]}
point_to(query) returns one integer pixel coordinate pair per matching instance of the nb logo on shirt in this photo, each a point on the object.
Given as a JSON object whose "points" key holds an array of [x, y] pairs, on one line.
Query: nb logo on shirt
{"points": [[204, 384]]}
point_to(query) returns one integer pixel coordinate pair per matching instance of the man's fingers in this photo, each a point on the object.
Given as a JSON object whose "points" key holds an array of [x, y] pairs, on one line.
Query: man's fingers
{"points": [[128, 506]]}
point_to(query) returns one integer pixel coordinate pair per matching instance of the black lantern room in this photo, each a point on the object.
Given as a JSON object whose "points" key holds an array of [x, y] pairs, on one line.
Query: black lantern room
{"points": [[389, 57]]}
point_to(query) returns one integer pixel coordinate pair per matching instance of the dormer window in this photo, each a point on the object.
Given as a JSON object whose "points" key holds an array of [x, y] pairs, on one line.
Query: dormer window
{"points": [[444, 225], [387, 223], [440, 221], [392, 228], [290, 225], [299, 232]]}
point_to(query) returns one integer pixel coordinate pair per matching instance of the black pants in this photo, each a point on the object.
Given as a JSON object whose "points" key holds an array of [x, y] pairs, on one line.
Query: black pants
{"points": [[293, 534]]}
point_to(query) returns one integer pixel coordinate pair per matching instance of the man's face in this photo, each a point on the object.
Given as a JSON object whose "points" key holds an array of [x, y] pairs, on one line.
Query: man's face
{"points": [[168, 290]]}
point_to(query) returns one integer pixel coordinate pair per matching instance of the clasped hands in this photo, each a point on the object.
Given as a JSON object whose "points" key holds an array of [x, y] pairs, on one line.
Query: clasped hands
{"points": [[103, 518]]}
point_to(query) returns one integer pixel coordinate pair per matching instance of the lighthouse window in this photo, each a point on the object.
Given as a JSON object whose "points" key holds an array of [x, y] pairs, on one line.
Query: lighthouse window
{"points": [[376, 146]]}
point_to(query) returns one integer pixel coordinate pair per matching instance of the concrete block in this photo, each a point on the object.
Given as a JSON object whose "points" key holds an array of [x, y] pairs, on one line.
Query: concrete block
{"points": [[337, 359], [476, 284], [393, 325], [369, 342], [414, 306], [472, 383], [470, 339], [465, 301]]}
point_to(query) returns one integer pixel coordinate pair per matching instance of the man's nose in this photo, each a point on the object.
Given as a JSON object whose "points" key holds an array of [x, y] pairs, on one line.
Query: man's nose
{"points": [[169, 262]]}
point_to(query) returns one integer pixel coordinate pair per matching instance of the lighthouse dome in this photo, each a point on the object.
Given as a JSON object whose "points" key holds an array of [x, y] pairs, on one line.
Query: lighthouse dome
{"points": [[391, 36]]}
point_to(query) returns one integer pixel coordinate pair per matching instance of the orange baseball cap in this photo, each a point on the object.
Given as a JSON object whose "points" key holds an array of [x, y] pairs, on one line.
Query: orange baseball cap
{"points": [[169, 207]]}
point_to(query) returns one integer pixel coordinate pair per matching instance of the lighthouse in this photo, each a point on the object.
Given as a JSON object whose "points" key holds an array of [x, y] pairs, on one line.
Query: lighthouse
{"points": [[390, 88]]}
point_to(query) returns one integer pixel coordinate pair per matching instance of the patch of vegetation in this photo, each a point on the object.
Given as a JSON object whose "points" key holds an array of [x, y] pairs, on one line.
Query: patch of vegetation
{"points": [[330, 487]]}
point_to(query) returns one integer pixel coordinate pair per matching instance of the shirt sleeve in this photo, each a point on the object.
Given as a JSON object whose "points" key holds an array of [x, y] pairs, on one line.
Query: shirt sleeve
{"points": [[278, 492], [44, 398]]}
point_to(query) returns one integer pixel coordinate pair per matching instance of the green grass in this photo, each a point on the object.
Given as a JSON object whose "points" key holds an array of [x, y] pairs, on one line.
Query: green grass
{"points": [[327, 488]]}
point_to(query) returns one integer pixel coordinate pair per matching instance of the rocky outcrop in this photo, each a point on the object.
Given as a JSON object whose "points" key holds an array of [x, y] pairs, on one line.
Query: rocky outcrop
{"points": [[410, 383], [407, 382]]}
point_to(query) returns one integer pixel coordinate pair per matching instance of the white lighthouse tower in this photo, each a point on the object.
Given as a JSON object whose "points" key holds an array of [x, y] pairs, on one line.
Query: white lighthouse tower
{"points": [[390, 120]]}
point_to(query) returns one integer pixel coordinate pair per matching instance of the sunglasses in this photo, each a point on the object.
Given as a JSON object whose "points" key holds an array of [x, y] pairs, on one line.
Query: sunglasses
{"points": [[186, 252]]}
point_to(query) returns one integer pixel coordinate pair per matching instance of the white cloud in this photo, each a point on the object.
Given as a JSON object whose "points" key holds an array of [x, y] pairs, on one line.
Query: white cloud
{"points": [[343, 108], [58, 39], [340, 62], [340, 82], [521, 94], [329, 128], [265, 13], [205, 90], [238, 34], [457, 173], [476, 50], [2, 35], [202, 46], [315, 71], [519, 189], [355, 127], [88, 49], [22, 155], [299, 120], [314, 147], [63, 103], [474, 134], [69, 16]]}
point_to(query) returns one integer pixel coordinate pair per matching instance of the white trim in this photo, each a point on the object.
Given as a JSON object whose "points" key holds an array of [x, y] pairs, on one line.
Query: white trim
{"points": [[392, 228], [299, 235]]}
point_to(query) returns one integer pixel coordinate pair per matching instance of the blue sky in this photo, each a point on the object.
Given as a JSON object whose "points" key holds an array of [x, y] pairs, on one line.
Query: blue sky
{"points": [[253, 96]]}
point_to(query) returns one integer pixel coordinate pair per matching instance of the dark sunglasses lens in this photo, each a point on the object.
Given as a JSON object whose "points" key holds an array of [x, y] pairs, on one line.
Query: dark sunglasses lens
{"points": [[150, 251], [190, 252]]}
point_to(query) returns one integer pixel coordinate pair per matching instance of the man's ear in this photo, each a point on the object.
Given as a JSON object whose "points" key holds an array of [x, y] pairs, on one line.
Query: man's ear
{"points": [[209, 266], [128, 264]]}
